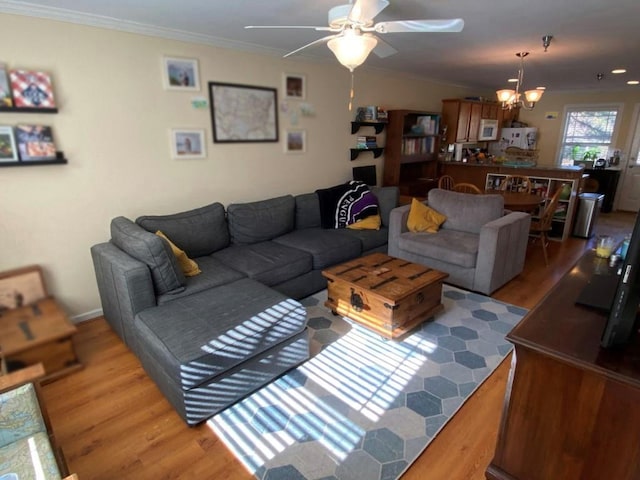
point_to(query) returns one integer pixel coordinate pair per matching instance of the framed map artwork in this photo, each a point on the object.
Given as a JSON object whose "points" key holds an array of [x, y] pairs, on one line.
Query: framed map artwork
{"points": [[243, 113]]}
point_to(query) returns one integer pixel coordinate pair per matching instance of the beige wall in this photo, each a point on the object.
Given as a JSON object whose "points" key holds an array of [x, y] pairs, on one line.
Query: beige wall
{"points": [[113, 126], [551, 129]]}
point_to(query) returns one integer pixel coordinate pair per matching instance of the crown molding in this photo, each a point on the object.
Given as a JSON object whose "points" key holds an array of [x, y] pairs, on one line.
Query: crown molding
{"points": [[15, 7]]}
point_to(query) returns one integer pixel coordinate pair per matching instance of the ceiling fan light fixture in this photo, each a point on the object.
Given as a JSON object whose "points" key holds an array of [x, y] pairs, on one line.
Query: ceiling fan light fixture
{"points": [[352, 48]]}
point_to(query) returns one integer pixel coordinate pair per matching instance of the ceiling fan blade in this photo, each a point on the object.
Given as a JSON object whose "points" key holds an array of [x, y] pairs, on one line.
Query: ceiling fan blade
{"points": [[383, 49], [364, 11], [451, 25], [319, 29], [320, 40]]}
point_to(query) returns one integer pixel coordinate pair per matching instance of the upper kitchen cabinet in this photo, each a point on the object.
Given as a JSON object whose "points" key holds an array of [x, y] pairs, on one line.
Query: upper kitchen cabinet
{"points": [[462, 118]]}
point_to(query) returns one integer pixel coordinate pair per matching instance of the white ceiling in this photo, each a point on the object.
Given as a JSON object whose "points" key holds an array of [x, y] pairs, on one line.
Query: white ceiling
{"points": [[590, 36]]}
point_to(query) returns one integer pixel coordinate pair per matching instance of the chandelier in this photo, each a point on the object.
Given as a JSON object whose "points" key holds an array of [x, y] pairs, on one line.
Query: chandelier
{"points": [[513, 98]]}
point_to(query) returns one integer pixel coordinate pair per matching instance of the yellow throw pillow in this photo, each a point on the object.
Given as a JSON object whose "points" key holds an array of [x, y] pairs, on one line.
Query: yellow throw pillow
{"points": [[423, 218], [372, 222], [188, 266]]}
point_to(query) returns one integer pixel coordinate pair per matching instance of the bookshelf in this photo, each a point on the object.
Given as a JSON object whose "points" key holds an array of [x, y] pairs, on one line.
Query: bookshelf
{"points": [[411, 151]]}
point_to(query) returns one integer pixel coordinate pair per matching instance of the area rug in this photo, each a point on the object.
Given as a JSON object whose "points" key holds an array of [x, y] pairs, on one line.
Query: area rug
{"points": [[364, 408]]}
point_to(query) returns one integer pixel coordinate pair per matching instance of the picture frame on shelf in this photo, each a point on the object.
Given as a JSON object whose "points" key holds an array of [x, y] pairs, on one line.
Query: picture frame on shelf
{"points": [[187, 143], [243, 113], [5, 89], [8, 148], [294, 86], [180, 74], [21, 286], [31, 89], [35, 142], [295, 141]]}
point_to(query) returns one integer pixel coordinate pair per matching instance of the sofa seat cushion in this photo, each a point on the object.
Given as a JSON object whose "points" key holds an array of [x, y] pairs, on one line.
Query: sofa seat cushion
{"points": [[270, 263], [327, 247], [17, 457], [438, 245], [198, 232], [213, 274], [198, 337], [261, 221], [465, 212], [369, 239]]}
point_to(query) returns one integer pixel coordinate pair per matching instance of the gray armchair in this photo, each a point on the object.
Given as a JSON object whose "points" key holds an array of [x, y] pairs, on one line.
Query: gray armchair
{"points": [[480, 245]]}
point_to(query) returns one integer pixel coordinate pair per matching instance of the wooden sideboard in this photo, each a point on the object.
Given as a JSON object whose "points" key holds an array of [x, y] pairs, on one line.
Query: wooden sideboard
{"points": [[572, 409]]}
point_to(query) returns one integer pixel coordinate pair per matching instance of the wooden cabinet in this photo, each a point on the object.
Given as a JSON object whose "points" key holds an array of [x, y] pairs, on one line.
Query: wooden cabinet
{"points": [[545, 187], [571, 408], [462, 118], [411, 151]]}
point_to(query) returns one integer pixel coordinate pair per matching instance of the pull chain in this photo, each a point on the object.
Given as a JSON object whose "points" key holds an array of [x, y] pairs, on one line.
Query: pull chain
{"points": [[351, 93]]}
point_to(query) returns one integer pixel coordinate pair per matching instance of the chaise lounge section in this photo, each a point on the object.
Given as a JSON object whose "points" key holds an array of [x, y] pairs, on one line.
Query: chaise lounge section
{"points": [[209, 340]]}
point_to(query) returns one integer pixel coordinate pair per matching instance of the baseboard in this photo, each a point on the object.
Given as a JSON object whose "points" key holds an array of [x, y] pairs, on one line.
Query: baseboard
{"points": [[83, 317]]}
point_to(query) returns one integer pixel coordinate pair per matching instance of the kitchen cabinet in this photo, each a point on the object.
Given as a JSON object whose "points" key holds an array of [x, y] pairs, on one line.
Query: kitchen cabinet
{"points": [[462, 118], [411, 151]]}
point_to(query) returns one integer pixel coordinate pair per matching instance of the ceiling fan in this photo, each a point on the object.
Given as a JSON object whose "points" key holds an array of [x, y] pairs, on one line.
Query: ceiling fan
{"points": [[352, 31]]}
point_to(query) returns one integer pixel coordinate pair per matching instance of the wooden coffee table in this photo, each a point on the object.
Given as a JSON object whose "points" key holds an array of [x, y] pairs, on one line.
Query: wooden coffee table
{"points": [[386, 294]]}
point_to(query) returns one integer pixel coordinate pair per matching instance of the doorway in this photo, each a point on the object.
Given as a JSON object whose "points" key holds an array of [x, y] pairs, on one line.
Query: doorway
{"points": [[629, 196]]}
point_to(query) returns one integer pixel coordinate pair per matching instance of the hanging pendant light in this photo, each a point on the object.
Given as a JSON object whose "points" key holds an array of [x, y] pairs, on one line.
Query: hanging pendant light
{"points": [[513, 98]]}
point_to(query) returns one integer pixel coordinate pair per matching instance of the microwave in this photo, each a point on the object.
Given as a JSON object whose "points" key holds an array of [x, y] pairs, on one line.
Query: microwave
{"points": [[488, 129]]}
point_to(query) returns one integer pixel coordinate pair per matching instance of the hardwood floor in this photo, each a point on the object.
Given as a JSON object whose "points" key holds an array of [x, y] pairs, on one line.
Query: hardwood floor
{"points": [[112, 422]]}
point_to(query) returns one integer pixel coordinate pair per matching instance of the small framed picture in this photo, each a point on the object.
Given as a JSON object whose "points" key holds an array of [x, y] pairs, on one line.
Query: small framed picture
{"points": [[294, 86], [31, 89], [8, 150], [187, 143], [5, 90], [35, 142], [180, 74], [295, 141]]}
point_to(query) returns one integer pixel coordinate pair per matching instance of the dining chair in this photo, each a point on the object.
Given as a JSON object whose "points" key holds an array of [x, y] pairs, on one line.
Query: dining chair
{"points": [[466, 188], [446, 182], [516, 183], [541, 226]]}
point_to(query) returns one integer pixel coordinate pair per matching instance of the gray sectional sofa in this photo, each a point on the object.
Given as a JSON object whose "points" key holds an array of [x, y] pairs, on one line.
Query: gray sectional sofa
{"points": [[210, 339], [480, 245]]}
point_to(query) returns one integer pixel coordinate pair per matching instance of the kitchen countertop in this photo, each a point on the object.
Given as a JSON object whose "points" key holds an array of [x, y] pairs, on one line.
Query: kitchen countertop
{"points": [[572, 168]]}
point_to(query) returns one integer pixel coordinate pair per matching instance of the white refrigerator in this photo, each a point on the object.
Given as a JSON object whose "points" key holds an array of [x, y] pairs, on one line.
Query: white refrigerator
{"points": [[525, 138]]}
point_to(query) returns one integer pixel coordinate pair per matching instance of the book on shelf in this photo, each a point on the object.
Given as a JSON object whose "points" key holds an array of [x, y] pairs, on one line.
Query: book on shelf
{"points": [[428, 124], [417, 146], [31, 89], [35, 142], [366, 141]]}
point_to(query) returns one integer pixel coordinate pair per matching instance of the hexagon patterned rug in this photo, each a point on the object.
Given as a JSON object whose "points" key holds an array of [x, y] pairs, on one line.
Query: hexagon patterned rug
{"points": [[364, 407]]}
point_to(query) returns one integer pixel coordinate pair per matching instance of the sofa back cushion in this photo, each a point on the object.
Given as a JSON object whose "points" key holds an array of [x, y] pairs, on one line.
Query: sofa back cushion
{"points": [[465, 212], [261, 221], [152, 250], [307, 211], [388, 199], [198, 232]]}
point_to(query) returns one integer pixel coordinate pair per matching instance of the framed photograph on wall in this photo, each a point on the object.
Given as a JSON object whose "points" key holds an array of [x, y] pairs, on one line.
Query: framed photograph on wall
{"points": [[243, 113], [8, 149], [180, 74], [295, 141], [187, 143], [294, 86]]}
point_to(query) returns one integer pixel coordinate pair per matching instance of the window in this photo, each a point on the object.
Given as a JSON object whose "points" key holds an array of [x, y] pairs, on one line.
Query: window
{"points": [[589, 132]]}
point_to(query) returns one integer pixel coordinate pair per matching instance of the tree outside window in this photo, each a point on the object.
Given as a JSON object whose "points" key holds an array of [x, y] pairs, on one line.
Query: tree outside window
{"points": [[588, 133]]}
